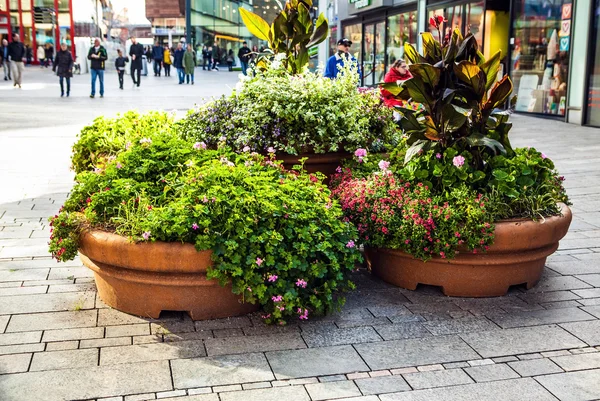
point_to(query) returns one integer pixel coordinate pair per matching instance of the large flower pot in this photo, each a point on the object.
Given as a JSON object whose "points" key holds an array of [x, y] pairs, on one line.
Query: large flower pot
{"points": [[325, 163], [146, 278], [517, 257]]}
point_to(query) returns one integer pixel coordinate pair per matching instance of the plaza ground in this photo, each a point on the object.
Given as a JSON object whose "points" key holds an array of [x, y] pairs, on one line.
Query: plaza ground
{"points": [[58, 341]]}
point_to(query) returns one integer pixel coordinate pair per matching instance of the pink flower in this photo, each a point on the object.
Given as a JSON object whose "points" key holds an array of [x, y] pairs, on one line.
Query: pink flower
{"points": [[119, 165], [338, 169], [272, 278], [544, 156], [195, 226], [278, 298], [199, 145], [249, 289], [360, 152], [281, 308], [205, 199], [350, 244], [259, 261], [438, 155], [384, 165], [146, 235], [303, 313], [301, 283], [458, 161]]}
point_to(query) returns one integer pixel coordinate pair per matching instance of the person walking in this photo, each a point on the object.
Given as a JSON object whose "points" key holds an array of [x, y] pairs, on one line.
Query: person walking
{"points": [[120, 66], [178, 62], [41, 55], [157, 57], [230, 59], [4, 60], [244, 56], [28, 54], [97, 55], [205, 58], [63, 67], [136, 51], [167, 61], [48, 54], [339, 59], [16, 54], [189, 64], [216, 54]]}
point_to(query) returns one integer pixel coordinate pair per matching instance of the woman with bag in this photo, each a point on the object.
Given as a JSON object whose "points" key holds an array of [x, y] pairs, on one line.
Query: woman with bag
{"points": [[63, 66]]}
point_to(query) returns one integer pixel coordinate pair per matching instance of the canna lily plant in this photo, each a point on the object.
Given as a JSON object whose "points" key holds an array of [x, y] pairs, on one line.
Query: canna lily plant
{"points": [[291, 34], [457, 88]]}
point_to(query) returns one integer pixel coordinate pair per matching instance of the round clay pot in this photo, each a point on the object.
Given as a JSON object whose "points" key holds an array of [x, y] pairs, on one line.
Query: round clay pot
{"points": [[517, 256], [325, 163], [146, 278]]}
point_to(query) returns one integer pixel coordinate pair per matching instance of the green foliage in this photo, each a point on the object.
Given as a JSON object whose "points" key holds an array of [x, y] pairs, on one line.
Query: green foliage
{"points": [[277, 236], [304, 113], [291, 34], [98, 143]]}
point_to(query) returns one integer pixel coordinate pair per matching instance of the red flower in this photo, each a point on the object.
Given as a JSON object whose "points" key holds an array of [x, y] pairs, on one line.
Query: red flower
{"points": [[432, 22], [440, 19]]}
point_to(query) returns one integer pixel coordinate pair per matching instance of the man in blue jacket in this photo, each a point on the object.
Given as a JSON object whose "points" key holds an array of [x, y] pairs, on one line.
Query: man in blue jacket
{"points": [[157, 57], [178, 62], [339, 59]]}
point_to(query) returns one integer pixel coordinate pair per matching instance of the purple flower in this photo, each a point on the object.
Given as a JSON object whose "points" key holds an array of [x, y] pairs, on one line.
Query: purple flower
{"points": [[384, 165], [438, 155], [195, 226], [350, 244], [458, 161], [301, 283], [272, 278], [360, 152], [146, 235], [259, 261], [199, 145], [270, 149]]}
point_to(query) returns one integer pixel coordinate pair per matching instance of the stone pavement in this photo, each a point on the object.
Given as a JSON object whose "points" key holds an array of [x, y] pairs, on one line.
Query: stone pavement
{"points": [[58, 341]]}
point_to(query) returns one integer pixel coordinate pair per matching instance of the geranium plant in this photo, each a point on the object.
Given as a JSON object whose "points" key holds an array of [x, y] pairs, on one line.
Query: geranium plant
{"points": [[276, 235]]}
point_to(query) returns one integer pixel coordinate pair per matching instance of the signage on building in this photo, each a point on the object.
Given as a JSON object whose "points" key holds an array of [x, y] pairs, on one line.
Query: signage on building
{"points": [[360, 3], [356, 6]]}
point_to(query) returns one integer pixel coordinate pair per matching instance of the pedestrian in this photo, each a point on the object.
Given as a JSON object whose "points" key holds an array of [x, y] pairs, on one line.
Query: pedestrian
{"points": [[244, 56], [167, 61], [216, 54], [398, 73], [209, 57], [254, 54], [205, 57], [339, 59], [120, 66], [97, 55], [48, 54], [136, 51], [230, 59], [16, 54], [4, 60], [41, 55], [28, 54], [63, 67], [178, 62], [189, 63], [157, 57]]}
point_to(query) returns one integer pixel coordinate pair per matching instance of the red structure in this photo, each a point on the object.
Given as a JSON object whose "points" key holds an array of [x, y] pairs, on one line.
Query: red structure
{"points": [[56, 25]]}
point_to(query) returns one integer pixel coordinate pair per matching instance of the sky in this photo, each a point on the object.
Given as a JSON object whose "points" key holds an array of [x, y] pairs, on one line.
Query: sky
{"points": [[82, 10]]}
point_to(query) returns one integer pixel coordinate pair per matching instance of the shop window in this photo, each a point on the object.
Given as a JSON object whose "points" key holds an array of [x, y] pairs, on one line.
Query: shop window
{"points": [[540, 55], [466, 17], [593, 96], [354, 33], [401, 29]]}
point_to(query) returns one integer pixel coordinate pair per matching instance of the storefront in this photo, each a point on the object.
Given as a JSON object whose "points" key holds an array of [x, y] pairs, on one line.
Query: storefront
{"points": [[592, 115], [38, 23]]}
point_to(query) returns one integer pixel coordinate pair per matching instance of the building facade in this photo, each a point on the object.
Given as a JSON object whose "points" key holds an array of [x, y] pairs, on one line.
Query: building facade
{"points": [[167, 19], [38, 22]]}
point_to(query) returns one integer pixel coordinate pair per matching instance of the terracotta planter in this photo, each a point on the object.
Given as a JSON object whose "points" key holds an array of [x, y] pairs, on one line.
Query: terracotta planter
{"points": [[517, 257], [324, 163], [147, 278]]}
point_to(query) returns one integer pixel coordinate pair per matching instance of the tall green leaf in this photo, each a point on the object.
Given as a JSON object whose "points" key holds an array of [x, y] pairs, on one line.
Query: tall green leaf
{"points": [[471, 75], [500, 92], [419, 93], [414, 149], [478, 139], [429, 74], [412, 55], [490, 68], [321, 31], [255, 24], [432, 50]]}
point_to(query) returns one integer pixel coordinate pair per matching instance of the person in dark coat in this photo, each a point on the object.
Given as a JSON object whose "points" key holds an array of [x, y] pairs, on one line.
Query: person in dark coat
{"points": [[216, 56], [230, 59], [244, 56], [98, 56], [120, 66], [49, 53], [16, 54], [157, 57], [206, 54], [4, 60], [136, 51], [178, 62], [63, 67]]}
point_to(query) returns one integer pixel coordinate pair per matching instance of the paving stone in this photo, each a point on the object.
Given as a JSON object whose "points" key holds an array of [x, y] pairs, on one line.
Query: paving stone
{"points": [[414, 352], [170, 327], [455, 365], [324, 391], [330, 378], [554, 296], [3, 323], [403, 371], [21, 348], [151, 352], [588, 293], [14, 364], [589, 301], [167, 394], [265, 329], [111, 399], [253, 386], [381, 385], [380, 373], [437, 307], [503, 359], [149, 339], [560, 283], [205, 397], [400, 331], [139, 329], [20, 338], [62, 345], [34, 283], [488, 373], [89, 383], [365, 398], [334, 336], [406, 319], [520, 340], [505, 390], [23, 275], [561, 304], [528, 357], [224, 333], [389, 310], [112, 317], [80, 358], [576, 351], [306, 380], [551, 354], [105, 342], [437, 378], [220, 370], [202, 390], [591, 279], [72, 288], [140, 397], [480, 362], [54, 320], [73, 334], [289, 393], [228, 323], [587, 331], [360, 375], [594, 310], [535, 367], [464, 325], [224, 389], [57, 273], [540, 317], [315, 362], [573, 386], [22, 290], [578, 362], [239, 345]]}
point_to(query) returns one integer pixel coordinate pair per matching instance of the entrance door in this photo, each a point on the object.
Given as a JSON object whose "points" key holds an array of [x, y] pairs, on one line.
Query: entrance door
{"points": [[373, 60]]}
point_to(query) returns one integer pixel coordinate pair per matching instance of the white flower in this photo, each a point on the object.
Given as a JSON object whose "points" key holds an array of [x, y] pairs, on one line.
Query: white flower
{"points": [[246, 149], [190, 163], [239, 86], [270, 149], [146, 140], [280, 56], [223, 138]]}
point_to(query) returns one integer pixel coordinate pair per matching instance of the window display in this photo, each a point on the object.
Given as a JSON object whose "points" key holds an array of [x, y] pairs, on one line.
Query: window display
{"points": [[401, 28]]}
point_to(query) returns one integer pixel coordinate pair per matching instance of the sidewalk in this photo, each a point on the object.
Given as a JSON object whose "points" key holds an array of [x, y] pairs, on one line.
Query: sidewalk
{"points": [[58, 341]]}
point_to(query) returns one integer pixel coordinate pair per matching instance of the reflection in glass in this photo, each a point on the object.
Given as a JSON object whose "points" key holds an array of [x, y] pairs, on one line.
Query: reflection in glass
{"points": [[402, 28]]}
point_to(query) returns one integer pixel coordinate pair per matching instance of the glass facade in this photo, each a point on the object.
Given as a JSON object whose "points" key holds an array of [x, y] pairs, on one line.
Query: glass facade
{"points": [[468, 17], [401, 29], [540, 54], [593, 92]]}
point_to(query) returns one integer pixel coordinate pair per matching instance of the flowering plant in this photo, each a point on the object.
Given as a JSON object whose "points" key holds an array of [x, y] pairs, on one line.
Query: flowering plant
{"points": [[276, 235]]}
